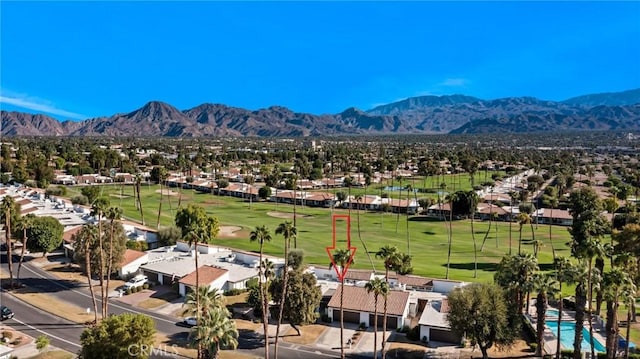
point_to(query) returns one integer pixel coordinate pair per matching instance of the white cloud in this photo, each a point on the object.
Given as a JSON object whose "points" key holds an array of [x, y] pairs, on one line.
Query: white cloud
{"points": [[454, 82], [36, 104]]}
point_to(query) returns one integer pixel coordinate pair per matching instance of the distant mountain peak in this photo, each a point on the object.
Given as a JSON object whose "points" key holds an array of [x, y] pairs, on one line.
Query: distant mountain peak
{"points": [[422, 114], [624, 98]]}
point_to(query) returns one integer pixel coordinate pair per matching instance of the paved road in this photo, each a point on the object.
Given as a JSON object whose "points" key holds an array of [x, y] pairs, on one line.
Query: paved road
{"points": [[66, 335]]}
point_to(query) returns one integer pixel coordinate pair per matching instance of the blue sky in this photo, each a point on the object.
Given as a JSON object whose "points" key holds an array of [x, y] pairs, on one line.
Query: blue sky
{"points": [[75, 60]]}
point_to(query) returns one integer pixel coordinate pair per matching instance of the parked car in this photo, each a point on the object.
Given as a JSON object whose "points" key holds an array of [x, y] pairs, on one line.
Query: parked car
{"points": [[5, 313], [190, 321], [137, 281]]}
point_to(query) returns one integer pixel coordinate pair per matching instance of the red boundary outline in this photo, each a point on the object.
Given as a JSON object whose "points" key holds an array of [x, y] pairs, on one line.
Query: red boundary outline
{"points": [[343, 271]]}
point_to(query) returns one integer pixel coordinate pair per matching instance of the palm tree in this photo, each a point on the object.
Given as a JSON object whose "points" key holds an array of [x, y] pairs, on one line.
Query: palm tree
{"points": [[9, 211], [288, 231], [261, 235], [341, 257], [522, 219], [553, 202], [399, 178], [84, 240], [409, 189], [113, 214], [215, 332], [98, 208], [138, 201], [25, 223], [378, 287], [563, 274], [391, 259], [614, 282], [449, 232], [210, 300], [545, 286], [472, 201], [364, 245]]}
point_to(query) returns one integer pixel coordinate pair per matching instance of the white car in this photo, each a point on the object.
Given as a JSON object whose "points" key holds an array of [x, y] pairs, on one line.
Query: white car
{"points": [[190, 321], [137, 281]]}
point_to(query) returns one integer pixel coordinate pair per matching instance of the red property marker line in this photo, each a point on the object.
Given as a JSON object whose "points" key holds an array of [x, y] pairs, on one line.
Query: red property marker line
{"points": [[342, 272]]}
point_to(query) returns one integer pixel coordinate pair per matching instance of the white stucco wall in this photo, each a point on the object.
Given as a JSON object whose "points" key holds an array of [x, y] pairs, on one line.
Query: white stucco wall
{"points": [[133, 266]]}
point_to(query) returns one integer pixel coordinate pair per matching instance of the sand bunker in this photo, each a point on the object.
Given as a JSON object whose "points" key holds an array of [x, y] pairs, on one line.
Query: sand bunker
{"points": [[284, 215], [167, 192], [229, 231]]}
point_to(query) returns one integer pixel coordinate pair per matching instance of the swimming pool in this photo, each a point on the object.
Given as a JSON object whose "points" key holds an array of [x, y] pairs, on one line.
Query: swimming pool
{"points": [[567, 334], [551, 313]]}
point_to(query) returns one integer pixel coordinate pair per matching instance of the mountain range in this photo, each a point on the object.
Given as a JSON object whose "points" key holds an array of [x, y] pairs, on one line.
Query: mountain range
{"points": [[424, 114]]}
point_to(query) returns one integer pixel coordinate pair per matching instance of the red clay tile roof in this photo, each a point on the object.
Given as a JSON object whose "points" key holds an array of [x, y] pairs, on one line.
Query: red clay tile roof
{"points": [[355, 274], [357, 299], [131, 255], [68, 234], [207, 275], [415, 281]]}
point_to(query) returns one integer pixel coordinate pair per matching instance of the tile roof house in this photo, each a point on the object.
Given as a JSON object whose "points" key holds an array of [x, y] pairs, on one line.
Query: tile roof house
{"points": [[359, 307], [210, 276], [434, 325], [131, 262]]}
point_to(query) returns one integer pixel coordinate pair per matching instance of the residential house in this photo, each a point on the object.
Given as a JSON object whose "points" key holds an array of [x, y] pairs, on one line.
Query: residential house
{"points": [[434, 325], [209, 276], [131, 262], [358, 307]]}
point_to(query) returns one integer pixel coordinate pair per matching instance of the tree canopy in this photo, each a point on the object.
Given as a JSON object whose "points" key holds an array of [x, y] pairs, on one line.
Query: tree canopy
{"points": [[119, 336], [479, 312], [45, 234]]}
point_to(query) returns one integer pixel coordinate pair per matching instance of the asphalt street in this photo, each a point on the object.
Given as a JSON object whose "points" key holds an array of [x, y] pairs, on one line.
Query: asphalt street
{"points": [[66, 335]]}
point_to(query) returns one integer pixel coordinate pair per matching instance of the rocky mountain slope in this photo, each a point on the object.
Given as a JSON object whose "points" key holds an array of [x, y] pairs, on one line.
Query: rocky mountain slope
{"points": [[424, 114]]}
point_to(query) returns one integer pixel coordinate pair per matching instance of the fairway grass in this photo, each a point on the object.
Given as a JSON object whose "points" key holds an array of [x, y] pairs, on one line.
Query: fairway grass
{"points": [[427, 239]]}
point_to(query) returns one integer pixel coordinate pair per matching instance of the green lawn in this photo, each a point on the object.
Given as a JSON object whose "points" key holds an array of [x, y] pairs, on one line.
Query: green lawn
{"points": [[428, 239]]}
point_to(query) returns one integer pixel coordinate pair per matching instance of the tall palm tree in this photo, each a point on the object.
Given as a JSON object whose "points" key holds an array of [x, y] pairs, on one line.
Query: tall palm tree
{"points": [[98, 209], [8, 211], [261, 235], [359, 199], [84, 240], [113, 214], [409, 189], [450, 231], [138, 201], [399, 179], [472, 201], [340, 258], [391, 259], [613, 281], [288, 231], [522, 219], [563, 274], [546, 286], [553, 202], [25, 223], [378, 287]]}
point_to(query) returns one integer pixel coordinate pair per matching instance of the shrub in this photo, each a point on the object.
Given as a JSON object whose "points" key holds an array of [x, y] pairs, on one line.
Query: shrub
{"points": [[325, 318], [566, 354], [232, 292], [404, 329], [145, 286], [42, 342], [533, 346], [414, 333], [362, 326], [150, 284], [128, 291]]}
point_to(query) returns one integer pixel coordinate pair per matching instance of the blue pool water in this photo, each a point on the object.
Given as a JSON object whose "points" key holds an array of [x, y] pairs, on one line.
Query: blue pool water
{"points": [[552, 313], [567, 333]]}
